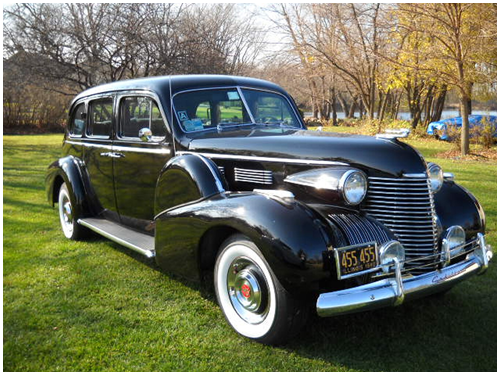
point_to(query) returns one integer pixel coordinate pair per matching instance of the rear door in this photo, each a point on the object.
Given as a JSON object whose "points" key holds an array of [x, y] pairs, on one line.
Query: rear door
{"points": [[97, 154], [138, 166]]}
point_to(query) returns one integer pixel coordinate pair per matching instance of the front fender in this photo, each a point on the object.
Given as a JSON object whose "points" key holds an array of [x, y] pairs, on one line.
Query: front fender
{"points": [[187, 178], [292, 237], [457, 206]]}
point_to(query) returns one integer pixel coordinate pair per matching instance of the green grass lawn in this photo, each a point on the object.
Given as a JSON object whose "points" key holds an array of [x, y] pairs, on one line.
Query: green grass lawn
{"points": [[95, 306]]}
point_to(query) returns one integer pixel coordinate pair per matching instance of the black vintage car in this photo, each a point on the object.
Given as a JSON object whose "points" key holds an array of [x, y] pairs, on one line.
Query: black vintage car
{"points": [[218, 175]]}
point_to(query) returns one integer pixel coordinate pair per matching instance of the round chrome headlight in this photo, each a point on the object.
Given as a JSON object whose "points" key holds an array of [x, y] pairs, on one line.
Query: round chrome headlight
{"points": [[353, 185], [436, 176], [389, 251], [455, 236]]}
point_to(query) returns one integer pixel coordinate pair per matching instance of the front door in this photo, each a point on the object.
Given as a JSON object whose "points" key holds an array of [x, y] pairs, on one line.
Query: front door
{"points": [[138, 162]]}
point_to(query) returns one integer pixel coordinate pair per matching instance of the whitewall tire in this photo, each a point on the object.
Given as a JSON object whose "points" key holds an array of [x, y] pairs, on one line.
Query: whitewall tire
{"points": [[250, 296], [69, 224]]}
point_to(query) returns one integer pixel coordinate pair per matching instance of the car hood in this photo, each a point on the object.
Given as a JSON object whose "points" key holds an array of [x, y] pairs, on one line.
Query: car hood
{"points": [[373, 155]]}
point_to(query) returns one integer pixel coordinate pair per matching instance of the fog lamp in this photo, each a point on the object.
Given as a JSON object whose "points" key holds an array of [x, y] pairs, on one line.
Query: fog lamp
{"points": [[389, 251], [455, 236]]}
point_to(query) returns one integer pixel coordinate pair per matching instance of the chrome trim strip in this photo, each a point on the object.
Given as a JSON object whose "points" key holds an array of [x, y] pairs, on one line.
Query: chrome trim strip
{"points": [[413, 175], [391, 291], [264, 159], [160, 151], [145, 252], [282, 194]]}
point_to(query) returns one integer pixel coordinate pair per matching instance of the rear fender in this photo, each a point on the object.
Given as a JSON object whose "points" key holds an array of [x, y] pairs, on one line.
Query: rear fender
{"points": [[68, 170]]}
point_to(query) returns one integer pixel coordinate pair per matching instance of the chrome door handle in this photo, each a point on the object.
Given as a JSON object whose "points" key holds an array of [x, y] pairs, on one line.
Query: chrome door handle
{"points": [[112, 154]]}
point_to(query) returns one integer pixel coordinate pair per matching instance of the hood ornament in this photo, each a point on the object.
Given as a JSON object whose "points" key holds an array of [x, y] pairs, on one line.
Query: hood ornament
{"points": [[394, 133]]}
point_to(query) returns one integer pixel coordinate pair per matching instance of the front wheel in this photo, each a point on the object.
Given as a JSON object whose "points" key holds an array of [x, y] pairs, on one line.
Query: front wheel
{"points": [[250, 296], [69, 224]]}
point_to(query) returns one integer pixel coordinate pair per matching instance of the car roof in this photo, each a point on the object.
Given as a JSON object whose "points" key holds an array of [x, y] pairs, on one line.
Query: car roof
{"points": [[160, 85]]}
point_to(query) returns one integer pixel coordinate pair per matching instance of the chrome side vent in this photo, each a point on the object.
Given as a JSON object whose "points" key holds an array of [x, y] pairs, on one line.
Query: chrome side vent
{"points": [[406, 207], [253, 176]]}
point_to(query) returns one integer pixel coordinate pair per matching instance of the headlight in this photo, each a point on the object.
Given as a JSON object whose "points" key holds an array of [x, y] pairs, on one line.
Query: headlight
{"points": [[350, 184], [455, 236], [389, 251], [354, 186], [436, 176]]}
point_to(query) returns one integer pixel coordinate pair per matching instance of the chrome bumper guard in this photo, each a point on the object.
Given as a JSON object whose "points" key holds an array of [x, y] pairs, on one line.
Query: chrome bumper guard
{"points": [[393, 291]]}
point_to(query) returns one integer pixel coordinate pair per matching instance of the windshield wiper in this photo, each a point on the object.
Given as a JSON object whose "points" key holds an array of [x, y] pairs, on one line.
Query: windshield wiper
{"points": [[226, 125]]}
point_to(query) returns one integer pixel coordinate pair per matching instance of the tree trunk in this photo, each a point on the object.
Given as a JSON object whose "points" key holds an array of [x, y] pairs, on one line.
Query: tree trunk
{"points": [[469, 100], [333, 102], [381, 111], [343, 104], [397, 104], [352, 108], [438, 105], [464, 110]]}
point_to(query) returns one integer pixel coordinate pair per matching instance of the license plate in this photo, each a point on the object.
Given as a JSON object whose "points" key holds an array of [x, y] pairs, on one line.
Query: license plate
{"points": [[356, 259]]}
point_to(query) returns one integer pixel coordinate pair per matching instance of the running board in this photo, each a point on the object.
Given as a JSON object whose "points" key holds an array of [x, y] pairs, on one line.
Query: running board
{"points": [[137, 241]]}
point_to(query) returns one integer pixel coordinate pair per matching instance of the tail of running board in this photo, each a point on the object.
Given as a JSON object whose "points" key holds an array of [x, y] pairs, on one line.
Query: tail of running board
{"points": [[137, 241]]}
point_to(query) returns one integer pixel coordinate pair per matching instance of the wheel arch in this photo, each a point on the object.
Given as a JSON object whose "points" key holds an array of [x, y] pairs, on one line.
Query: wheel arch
{"points": [[210, 243]]}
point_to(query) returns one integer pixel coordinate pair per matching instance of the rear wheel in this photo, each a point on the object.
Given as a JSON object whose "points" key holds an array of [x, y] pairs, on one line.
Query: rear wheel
{"points": [[250, 296], [69, 224]]}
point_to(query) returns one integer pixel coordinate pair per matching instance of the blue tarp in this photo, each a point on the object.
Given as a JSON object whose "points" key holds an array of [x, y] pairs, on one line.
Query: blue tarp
{"points": [[440, 127]]}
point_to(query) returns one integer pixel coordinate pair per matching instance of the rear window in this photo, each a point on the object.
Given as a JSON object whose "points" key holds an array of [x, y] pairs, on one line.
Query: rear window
{"points": [[100, 118], [77, 123]]}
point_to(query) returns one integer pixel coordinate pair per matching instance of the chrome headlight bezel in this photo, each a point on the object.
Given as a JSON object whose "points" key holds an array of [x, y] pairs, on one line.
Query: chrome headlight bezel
{"points": [[435, 173], [349, 178], [340, 181]]}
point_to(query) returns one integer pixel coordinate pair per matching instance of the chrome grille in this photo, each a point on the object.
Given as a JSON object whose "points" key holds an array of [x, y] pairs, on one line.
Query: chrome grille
{"points": [[254, 176], [406, 207], [359, 229]]}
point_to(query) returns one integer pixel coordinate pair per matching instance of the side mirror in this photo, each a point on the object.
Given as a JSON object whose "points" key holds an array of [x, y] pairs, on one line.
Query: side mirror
{"points": [[145, 134]]}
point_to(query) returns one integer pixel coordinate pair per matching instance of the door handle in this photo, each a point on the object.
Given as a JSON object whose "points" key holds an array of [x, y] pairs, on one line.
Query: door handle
{"points": [[112, 154]]}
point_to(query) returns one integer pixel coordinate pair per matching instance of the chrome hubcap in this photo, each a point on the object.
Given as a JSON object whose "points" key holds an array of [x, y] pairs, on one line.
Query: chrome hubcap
{"points": [[248, 290], [66, 214]]}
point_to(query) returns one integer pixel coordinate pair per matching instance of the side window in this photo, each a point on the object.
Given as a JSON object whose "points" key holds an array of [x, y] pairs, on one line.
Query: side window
{"points": [[203, 113], [230, 111], [77, 122], [100, 118], [139, 112]]}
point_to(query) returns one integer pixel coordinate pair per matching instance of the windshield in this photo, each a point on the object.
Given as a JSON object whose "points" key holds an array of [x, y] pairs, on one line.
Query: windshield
{"points": [[205, 109]]}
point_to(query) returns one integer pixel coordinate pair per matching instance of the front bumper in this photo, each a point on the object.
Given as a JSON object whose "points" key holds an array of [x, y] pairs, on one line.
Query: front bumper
{"points": [[393, 291]]}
